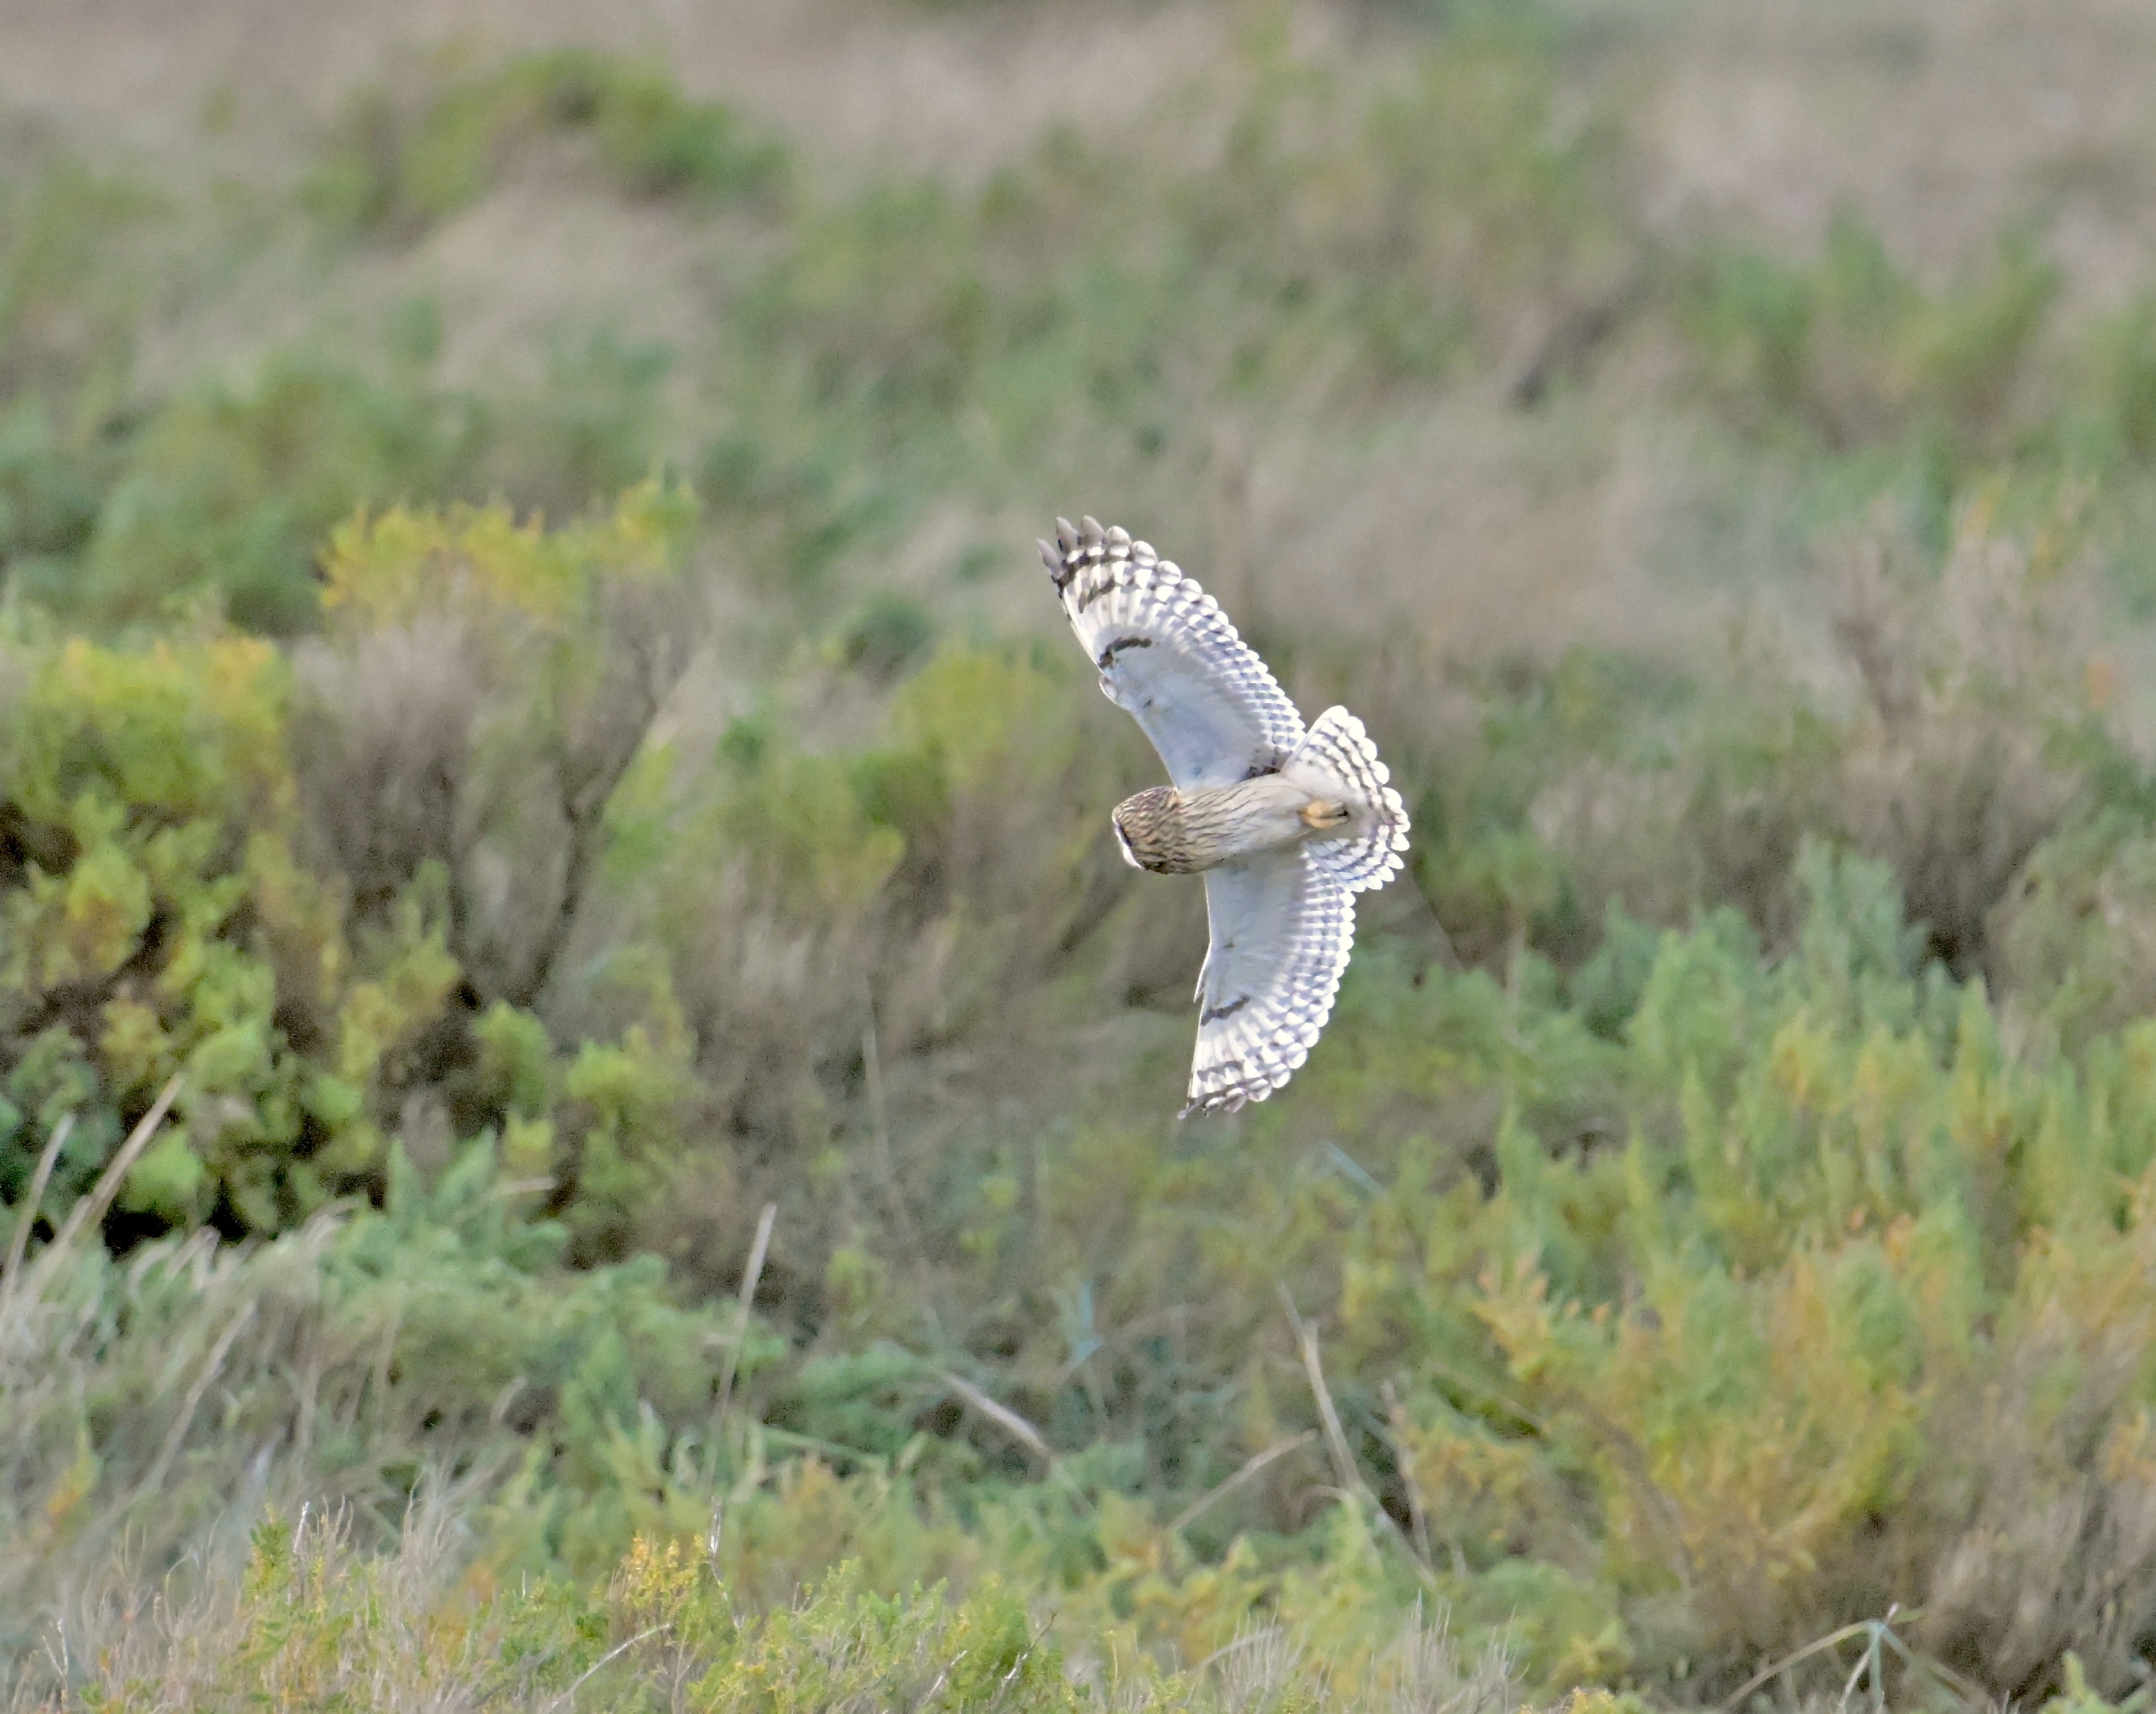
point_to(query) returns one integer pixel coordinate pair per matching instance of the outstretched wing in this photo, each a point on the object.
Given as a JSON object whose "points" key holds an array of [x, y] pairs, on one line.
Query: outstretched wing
{"points": [[1282, 930], [1167, 653]]}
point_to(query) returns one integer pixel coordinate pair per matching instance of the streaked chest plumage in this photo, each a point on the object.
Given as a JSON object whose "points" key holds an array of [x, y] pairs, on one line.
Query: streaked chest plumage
{"points": [[1174, 833]]}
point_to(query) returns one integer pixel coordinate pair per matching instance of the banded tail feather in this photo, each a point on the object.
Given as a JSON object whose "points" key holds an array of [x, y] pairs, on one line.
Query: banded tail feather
{"points": [[1367, 855]]}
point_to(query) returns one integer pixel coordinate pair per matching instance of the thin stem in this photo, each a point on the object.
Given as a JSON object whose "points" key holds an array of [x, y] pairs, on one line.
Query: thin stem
{"points": [[750, 1279]]}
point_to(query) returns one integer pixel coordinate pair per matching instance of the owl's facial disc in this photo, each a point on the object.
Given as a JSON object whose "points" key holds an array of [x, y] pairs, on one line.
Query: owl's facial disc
{"points": [[1123, 842]]}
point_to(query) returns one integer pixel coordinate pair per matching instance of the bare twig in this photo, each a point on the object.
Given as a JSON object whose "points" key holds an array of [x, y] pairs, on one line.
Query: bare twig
{"points": [[943, 1678], [93, 1206], [1336, 1438], [183, 1419], [1003, 1416], [1352, 1484], [1396, 1415], [887, 1166], [26, 1211], [1877, 1633], [1818, 1645], [1251, 1466], [611, 1655], [750, 1279]]}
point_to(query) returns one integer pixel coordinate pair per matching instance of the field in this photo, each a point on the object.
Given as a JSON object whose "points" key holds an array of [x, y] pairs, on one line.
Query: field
{"points": [[586, 1107]]}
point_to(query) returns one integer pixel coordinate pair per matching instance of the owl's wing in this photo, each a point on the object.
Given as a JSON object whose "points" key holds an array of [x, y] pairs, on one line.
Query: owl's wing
{"points": [[1282, 930], [1167, 653]]}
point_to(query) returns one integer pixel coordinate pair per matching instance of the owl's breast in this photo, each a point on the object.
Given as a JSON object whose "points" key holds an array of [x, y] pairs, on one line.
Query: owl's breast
{"points": [[1174, 833]]}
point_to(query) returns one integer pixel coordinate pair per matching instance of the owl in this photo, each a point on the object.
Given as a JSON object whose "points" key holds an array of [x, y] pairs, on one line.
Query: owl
{"points": [[1286, 823]]}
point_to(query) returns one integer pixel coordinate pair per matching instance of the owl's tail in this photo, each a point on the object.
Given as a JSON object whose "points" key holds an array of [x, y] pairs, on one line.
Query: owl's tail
{"points": [[1338, 761]]}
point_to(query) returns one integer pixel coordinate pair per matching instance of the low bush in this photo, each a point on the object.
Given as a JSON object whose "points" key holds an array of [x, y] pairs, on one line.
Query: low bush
{"points": [[1856, 352], [226, 494], [230, 863], [405, 161]]}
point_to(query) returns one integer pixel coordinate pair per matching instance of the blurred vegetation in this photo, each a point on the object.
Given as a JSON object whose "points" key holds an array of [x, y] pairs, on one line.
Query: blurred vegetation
{"points": [[312, 1622], [404, 160], [674, 1084]]}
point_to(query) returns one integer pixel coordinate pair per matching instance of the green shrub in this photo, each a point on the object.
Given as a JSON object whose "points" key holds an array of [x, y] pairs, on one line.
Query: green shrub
{"points": [[231, 864], [350, 1359], [50, 493], [226, 494], [1835, 1303], [594, 427], [401, 165], [70, 294], [1854, 351], [1645, 1275], [67, 315]]}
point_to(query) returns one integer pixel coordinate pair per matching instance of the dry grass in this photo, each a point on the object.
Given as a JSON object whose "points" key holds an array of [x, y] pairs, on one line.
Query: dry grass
{"points": [[1968, 676], [1926, 716], [308, 1617], [206, 1638], [269, 1378], [2057, 1550]]}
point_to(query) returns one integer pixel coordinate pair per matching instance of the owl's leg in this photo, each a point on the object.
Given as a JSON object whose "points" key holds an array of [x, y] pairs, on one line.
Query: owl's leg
{"points": [[1321, 813]]}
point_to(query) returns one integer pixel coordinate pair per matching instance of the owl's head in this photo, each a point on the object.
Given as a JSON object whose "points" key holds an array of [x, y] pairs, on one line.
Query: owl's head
{"points": [[1149, 832]]}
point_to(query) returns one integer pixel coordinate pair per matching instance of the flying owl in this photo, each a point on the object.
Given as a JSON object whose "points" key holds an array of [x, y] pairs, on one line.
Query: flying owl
{"points": [[1286, 824]]}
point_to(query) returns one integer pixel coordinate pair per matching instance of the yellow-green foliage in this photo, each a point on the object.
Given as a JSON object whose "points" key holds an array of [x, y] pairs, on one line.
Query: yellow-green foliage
{"points": [[399, 567], [330, 884], [170, 911], [158, 813]]}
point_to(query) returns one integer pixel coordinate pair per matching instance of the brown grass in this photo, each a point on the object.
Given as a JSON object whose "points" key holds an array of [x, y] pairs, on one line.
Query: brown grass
{"points": [[1965, 677]]}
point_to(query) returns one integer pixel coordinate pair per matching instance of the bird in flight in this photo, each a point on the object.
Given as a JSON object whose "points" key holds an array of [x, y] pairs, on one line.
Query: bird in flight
{"points": [[1286, 823]]}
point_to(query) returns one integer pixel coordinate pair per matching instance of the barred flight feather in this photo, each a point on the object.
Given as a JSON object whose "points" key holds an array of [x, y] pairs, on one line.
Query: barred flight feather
{"points": [[1167, 653], [1281, 929]]}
